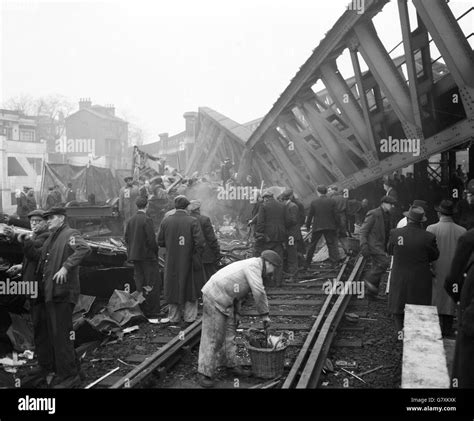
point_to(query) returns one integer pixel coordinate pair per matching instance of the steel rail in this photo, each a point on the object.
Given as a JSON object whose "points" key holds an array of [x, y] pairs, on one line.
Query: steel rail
{"points": [[312, 370], [301, 360], [167, 354]]}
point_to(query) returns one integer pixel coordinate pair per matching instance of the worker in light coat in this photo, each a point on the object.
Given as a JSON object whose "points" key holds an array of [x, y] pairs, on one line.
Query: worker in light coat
{"points": [[222, 297]]}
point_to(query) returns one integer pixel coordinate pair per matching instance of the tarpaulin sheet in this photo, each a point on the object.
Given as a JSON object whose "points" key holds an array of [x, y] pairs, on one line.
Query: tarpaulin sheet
{"points": [[85, 180]]}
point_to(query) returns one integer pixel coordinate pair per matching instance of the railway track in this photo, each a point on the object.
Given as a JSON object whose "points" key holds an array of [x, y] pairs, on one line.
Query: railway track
{"points": [[301, 308]]}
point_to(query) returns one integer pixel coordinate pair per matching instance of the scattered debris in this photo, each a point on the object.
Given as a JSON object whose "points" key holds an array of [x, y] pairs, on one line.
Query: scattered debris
{"points": [[153, 321], [374, 369], [102, 378], [328, 366], [29, 355], [353, 375], [346, 364], [129, 329]]}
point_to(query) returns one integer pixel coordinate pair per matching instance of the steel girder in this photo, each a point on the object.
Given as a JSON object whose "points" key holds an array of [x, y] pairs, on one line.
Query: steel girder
{"points": [[444, 140], [346, 102], [387, 77], [218, 137], [452, 44]]}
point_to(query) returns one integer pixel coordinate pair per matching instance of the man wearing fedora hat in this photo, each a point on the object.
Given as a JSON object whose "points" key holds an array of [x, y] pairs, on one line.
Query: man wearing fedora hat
{"points": [[447, 234], [128, 196], [418, 203], [413, 250]]}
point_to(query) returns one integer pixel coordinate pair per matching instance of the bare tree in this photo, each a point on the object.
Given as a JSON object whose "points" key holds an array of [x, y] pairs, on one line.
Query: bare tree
{"points": [[136, 135], [23, 103]]}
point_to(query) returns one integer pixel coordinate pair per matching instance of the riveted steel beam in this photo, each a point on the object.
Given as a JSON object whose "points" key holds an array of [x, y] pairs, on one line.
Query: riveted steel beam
{"points": [[387, 77], [371, 157], [347, 103], [409, 59], [311, 158], [453, 45], [444, 140], [294, 177], [330, 138], [214, 147]]}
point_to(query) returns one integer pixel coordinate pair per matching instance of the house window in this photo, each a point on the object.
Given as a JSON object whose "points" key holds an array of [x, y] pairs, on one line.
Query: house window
{"points": [[14, 168], [27, 135], [9, 133]]}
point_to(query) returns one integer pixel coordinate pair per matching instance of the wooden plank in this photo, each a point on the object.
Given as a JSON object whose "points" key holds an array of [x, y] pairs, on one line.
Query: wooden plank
{"points": [[161, 339], [108, 381], [278, 326], [348, 343], [424, 357], [301, 302], [307, 291], [291, 379], [275, 312], [135, 358]]}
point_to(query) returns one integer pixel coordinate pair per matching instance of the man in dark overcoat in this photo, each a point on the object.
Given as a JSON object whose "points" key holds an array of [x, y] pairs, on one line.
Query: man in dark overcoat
{"points": [[32, 245], [323, 210], [58, 277], [212, 251], [460, 286], [374, 235], [182, 237], [293, 232], [142, 251], [413, 250], [270, 232]]}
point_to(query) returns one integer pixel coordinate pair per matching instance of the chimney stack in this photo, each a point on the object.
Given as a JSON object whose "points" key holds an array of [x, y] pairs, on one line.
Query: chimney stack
{"points": [[85, 103], [190, 117], [110, 109]]}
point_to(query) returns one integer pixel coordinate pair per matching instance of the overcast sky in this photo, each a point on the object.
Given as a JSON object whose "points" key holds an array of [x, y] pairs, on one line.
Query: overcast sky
{"points": [[155, 60]]}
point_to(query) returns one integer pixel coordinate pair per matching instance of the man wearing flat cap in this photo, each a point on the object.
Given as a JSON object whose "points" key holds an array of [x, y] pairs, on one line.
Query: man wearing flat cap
{"points": [[374, 235], [181, 235], [413, 250], [58, 276], [128, 196], [447, 234], [212, 252], [32, 245]]}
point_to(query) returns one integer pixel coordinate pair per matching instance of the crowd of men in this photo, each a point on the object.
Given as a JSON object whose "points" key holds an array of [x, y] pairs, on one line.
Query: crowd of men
{"points": [[427, 264]]}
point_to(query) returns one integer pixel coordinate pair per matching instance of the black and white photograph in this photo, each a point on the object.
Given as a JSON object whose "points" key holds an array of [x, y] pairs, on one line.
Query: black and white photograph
{"points": [[203, 198]]}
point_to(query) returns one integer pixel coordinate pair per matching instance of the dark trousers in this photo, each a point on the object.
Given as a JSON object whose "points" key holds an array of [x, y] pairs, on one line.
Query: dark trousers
{"points": [[292, 255], [399, 319], [147, 281], [380, 264], [342, 225], [463, 368], [446, 324], [52, 323], [331, 241], [209, 270]]}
